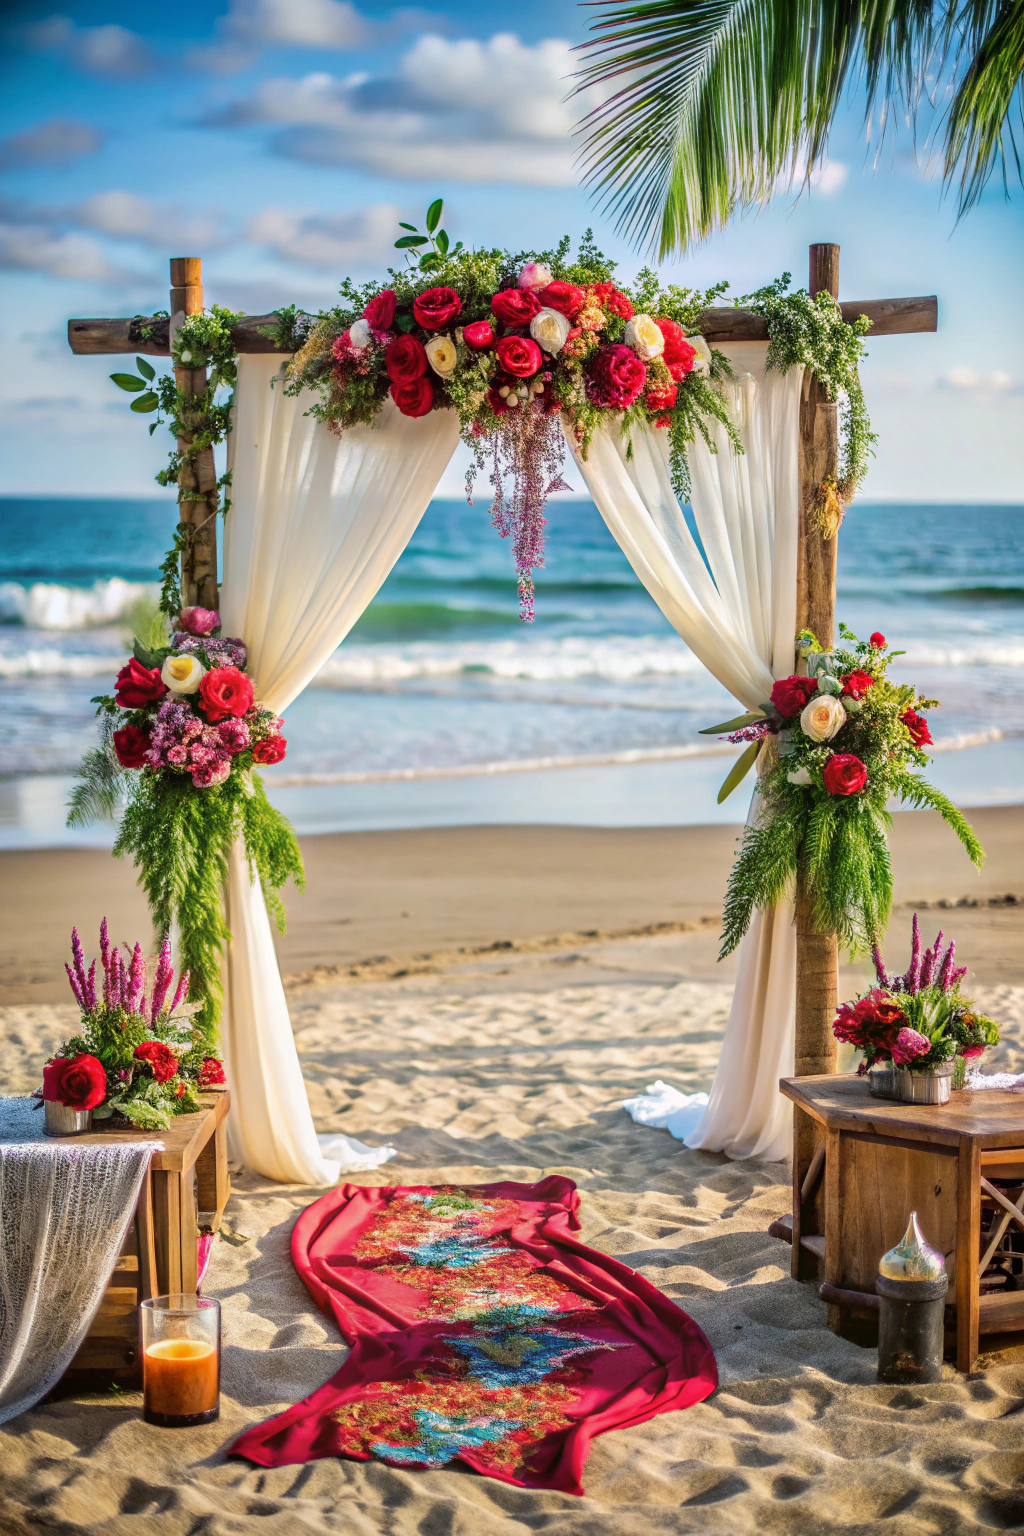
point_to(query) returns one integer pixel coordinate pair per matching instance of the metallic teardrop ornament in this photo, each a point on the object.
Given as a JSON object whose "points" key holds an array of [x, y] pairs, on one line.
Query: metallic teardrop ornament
{"points": [[913, 1257]]}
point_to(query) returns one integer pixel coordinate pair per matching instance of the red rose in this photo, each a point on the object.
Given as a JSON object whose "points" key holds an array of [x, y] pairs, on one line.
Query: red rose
{"points": [[79, 1082], [130, 744], [790, 695], [615, 376], [662, 397], [223, 692], [405, 359], [678, 355], [437, 308], [159, 1058], [270, 750], [138, 686], [211, 1072], [844, 774], [857, 683], [498, 404], [878, 641], [380, 311], [516, 306], [917, 725], [479, 335], [565, 297], [519, 355], [414, 398], [613, 300]]}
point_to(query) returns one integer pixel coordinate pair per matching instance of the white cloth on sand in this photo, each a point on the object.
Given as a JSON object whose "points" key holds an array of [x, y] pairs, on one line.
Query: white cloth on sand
{"points": [[664, 1108]]}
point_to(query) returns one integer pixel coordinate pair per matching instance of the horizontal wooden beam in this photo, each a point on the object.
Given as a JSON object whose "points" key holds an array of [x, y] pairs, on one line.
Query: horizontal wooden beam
{"points": [[889, 317]]}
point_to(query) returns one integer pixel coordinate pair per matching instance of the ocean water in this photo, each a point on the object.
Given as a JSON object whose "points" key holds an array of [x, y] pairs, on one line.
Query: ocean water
{"points": [[442, 707]]}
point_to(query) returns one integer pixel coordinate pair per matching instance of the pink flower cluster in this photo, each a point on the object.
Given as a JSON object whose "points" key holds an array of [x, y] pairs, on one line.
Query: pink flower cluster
{"points": [[124, 985], [182, 741]]}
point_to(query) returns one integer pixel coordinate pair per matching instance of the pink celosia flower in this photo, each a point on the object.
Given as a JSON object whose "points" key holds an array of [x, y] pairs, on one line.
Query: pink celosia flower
{"points": [[908, 1045]]}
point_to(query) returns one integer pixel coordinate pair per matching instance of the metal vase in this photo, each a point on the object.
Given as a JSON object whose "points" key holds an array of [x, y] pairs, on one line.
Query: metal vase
{"points": [[882, 1082], [930, 1086], [61, 1120]]}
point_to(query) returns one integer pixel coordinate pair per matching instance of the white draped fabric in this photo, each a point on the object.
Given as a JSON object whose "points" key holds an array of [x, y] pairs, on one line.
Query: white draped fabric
{"points": [[316, 524], [739, 619]]}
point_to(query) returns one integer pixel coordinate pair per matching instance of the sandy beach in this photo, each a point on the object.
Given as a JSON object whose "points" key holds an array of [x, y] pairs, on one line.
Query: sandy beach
{"points": [[548, 974]]}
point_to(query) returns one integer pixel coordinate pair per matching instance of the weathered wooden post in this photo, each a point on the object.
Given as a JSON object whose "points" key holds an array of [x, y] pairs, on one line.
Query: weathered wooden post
{"points": [[817, 954], [197, 477]]}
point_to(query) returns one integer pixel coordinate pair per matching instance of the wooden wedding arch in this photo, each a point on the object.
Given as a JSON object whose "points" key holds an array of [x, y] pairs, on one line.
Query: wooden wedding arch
{"points": [[817, 961]]}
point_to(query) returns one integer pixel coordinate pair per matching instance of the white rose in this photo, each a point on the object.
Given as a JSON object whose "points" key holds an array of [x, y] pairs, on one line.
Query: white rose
{"points": [[359, 335], [441, 355], [549, 330], [798, 776], [644, 337], [823, 717], [702, 362], [182, 674]]}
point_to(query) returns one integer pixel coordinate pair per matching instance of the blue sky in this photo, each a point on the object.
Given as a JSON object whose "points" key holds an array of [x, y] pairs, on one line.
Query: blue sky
{"points": [[282, 140]]}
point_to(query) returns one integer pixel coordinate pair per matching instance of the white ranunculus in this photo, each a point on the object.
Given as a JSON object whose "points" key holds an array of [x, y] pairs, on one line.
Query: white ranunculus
{"points": [[182, 674], [549, 329], [359, 335], [441, 355], [798, 776], [644, 336], [702, 362], [823, 717]]}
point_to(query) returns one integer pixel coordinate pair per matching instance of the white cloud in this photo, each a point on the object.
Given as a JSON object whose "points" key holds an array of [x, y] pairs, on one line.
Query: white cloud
{"points": [[464, 110], [58, 139], [332, 240], [28, 247], [253, 24], [107, 50], [827, 177], [130, 216], [969, 381]]}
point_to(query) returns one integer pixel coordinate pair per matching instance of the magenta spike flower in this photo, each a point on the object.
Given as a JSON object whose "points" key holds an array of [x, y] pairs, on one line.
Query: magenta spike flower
{"points": [[137, 981], [78, 955], [959, 972], [946, 968], [117, 979], [914, 971], [76, 989], [90, 988], [162, 980], [181, 991], [930, 958], [876, 955]]}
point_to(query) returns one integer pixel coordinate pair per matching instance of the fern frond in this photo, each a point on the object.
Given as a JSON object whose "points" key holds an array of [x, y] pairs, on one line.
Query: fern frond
{"points": [[764, 872], [99, 787], [921, 795]]}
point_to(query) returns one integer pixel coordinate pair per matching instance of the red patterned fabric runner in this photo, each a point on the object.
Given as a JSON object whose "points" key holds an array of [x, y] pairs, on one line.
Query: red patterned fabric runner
{"points": [[482, 1331]]}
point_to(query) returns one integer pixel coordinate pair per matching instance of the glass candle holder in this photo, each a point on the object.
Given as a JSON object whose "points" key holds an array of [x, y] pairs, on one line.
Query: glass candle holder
{"points": [[180, 1360]]}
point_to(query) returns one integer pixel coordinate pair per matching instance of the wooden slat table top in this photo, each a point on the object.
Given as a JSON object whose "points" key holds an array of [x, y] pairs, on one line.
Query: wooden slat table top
{"points": [[992, 1117], [181, 1145]]}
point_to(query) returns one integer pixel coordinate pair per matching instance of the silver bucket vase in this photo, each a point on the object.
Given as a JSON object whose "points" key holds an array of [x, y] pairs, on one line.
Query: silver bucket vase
{"points": [[882, 1082], [931, 1086], [61, 1120]]}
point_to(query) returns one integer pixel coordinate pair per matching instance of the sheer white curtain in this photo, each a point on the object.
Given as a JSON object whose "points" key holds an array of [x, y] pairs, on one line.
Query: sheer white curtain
{"points": [[739, 619], [316, 523]]}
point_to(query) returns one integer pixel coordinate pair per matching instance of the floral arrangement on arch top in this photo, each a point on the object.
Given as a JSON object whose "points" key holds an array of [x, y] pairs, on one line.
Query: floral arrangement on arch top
{"points": [[513, 343], [143, 1059]]}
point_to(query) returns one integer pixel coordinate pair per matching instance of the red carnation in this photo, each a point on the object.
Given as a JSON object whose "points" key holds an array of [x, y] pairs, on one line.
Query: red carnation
{"points": [[131, 743], [917, 725], [138, 686], [479, 335], [516, 306], [519, 355], [79, 1082], [615, 376], [857, 683], [211, 1073], [159, 1058], [790, 695], [662, 397], [844, 774], [223, 692], [413, 398], [565, 297], [678, 355], [380, 311], [878, 640], [270, 750], [405, 359], [436, 308]]}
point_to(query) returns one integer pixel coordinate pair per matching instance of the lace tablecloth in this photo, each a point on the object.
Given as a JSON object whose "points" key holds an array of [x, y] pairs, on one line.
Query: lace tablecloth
{"points": [[64, 1211]]}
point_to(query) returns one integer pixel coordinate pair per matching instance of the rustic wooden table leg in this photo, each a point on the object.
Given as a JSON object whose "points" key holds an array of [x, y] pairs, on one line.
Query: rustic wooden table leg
{"points": [[175, 1230], [968, 1253], [213, 1184], [149, 1284], [188, 1232]]}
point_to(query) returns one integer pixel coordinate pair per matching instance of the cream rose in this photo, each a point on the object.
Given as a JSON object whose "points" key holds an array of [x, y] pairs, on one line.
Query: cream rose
{"points": [[823, 717], [359, 335], [535, 275], [644, 337], [182, 674], [549, 329], [702, 362], [441, 355]]}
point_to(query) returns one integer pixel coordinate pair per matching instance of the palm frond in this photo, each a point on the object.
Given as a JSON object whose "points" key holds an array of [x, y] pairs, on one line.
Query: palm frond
{"points": [[979, 128]]}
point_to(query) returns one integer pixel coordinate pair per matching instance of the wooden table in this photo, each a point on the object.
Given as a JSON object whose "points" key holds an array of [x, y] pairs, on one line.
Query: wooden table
{"points": [[185, 1189], [880, 1161]]}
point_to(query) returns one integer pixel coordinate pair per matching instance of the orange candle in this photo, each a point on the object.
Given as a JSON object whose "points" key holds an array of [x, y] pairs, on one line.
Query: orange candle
{"points": [[180, 1379]]}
